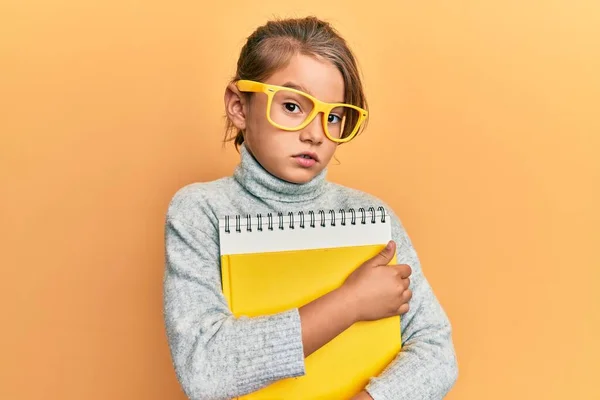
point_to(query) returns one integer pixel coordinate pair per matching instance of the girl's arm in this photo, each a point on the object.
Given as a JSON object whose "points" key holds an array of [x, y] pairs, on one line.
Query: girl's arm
{"points": [[215, 355], [324, 319]]}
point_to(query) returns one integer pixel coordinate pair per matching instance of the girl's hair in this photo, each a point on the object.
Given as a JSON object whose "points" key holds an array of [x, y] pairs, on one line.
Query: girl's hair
{"points": [[272, 46]]}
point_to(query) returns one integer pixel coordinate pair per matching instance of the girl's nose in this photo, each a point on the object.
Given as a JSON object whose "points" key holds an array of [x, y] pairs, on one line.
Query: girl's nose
{"points": [[313, 132]]}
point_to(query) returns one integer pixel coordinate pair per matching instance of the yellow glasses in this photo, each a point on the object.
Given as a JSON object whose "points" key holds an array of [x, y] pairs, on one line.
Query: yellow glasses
{"points": [[291, 110]]}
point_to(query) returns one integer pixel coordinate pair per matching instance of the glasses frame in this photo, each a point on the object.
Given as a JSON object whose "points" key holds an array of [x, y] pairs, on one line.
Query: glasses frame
{"points": [[319, 107]]}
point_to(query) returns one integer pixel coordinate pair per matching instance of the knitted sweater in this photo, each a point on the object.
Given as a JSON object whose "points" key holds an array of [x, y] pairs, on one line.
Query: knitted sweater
{"points": [[219, 356]]}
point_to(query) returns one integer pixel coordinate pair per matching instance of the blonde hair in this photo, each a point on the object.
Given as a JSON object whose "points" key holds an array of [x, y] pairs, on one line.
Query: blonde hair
{"points": [[271, 46]]}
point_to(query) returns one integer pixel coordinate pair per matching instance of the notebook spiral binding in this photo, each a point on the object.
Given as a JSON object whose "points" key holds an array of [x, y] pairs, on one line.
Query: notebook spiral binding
{"points": [[323, 218]]}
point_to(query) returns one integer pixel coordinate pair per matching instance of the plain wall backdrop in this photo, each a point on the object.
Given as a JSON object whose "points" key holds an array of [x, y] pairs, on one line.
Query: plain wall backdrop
{"points": [[484, 137]]}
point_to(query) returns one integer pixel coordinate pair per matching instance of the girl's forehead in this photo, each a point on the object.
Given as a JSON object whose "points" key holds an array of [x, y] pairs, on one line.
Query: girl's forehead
{"points": [[316, 76]]}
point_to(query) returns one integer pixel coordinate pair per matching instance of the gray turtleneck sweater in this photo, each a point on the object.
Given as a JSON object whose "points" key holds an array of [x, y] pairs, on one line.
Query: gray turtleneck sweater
{"points": [[219, 356]]}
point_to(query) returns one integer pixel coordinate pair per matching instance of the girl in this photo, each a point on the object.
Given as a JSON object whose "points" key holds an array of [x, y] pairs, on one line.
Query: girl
{"points": [[277, 106]]}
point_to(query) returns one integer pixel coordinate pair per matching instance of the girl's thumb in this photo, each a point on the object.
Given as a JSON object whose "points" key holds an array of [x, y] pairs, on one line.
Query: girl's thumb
{"points": [[385, 255]]}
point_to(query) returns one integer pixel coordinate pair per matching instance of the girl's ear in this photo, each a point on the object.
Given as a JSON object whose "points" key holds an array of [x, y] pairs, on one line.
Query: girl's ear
{"points": [[235, 106]]}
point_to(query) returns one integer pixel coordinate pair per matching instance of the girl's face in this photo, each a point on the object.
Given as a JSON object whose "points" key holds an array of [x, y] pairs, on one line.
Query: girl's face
{"points": [[296, 156]]}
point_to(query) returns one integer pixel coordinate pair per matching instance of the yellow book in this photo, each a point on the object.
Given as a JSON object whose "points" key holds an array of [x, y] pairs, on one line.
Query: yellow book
{"points": [[272, 263]]}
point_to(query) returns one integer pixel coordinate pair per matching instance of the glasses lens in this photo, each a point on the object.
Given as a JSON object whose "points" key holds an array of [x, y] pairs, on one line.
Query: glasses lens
{"points": [[342, 122], [290, 109]]}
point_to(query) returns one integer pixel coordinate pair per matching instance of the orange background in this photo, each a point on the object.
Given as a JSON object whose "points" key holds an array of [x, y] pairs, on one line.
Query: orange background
{"points": [[484, 137]]}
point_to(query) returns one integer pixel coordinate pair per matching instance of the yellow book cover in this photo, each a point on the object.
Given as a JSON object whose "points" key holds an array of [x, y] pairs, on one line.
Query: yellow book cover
{"points": [[272, 263]]}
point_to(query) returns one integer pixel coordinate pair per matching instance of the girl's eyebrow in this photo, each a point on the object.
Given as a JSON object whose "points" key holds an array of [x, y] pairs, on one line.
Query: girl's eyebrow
{"points": [[296, 86]]}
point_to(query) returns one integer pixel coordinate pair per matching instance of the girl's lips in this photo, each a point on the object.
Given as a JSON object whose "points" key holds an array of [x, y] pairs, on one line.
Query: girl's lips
{"points": [[305, 162], [309, 154]]}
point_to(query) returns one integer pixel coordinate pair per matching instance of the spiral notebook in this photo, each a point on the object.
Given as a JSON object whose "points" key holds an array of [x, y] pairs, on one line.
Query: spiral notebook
{"points": [[272, 263]]}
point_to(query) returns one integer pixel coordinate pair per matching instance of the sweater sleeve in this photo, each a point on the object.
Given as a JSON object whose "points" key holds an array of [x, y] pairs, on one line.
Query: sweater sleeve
{"points": [[216, 355], [426, 367]]}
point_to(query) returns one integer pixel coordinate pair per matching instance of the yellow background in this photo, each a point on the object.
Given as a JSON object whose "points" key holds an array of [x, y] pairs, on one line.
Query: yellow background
{"points": [[484, 137]]}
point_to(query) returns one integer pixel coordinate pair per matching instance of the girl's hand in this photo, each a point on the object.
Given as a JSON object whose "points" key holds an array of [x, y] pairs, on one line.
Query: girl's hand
{"points": [[363, 395], [376, 290], [373, 291]]}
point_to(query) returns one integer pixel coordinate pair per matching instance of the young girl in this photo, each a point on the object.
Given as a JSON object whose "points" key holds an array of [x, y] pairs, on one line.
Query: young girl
{"points": [[277, 106]]}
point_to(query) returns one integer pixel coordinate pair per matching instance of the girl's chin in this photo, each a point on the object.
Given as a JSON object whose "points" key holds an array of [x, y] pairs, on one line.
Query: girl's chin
{"points": [[298, 177]]}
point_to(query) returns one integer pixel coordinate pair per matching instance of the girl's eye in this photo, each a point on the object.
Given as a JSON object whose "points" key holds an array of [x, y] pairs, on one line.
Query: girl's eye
{"points": [[333, 119], [291, 107]]}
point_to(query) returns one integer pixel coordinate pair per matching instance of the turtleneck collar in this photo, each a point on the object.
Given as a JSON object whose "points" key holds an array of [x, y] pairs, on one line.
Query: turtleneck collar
{"points": [[258, 181]]}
